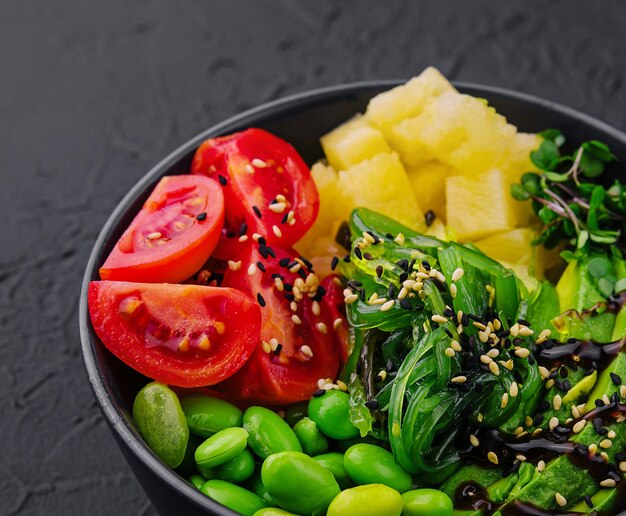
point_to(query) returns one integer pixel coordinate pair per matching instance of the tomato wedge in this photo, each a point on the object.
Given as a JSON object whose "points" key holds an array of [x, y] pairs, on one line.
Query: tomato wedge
{"points": [[183, 335], [298, 339], [267, 186], [173, 234]]}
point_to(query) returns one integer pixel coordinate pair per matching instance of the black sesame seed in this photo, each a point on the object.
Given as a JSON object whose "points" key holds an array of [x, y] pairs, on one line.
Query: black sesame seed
{"points": [[563, 372], [306, 262], [589, 502], [523, 322], [201, 216], [283, 262], [553, 374], [262, 241], [271, 252], [614, 475], [411, 265], [391, 290], [531, 359], [354, 283], [372, 404], [301, 273], [277, 275], [230, 234], [615, 378], [403, 277], [448, 312], [260, 266], [379, 271], [257, 212], [389, 236], [406, 304], [465, 320], [614, 398], [538, 420], [567, 386], [429, 217], [263, 251], [278, 349], [368, 256], [243, 229], [621, 456], [426, 265], [346, 258], [448, 333], [223, 181], [504, 334], [333, 263], [599, 403], [260, 299], [319, 393], [357, 253], [289, 296], [285, 218], [543, 406], [362, 295]]}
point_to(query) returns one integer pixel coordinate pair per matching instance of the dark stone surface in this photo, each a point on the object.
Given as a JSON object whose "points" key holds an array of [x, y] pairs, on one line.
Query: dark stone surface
{"points": [[92, 94]]}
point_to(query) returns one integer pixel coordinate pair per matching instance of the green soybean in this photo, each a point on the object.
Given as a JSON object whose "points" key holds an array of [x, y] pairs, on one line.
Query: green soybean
{"points": [[197, 480], [369, 464], [161, 422], [207, 472], [333, 462], [298, 483], [237, 470], [369, 500], [273, 511], [188, 465], [207, 416], [232, 496], [268, 432], [426, 502], [255, 484], [296, 412], [221, 447], [331, 412], [312, 440]]}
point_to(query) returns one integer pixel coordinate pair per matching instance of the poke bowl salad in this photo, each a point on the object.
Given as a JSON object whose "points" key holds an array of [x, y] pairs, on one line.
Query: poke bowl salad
{"points": [[428, 321]]}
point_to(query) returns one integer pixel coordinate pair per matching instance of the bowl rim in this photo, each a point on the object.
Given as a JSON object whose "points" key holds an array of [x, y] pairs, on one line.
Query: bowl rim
{"points": [[118, 423]]}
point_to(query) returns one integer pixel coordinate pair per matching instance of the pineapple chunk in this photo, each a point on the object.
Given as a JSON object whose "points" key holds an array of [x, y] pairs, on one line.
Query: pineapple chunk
{"points": [[517, 161], [353, 142], [407, 100], [479, 206], [459, 130], [428, 183], [382, 185]]}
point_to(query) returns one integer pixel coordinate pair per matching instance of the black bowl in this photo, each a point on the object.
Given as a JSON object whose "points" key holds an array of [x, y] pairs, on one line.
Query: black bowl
{"points": [[301, 120]]}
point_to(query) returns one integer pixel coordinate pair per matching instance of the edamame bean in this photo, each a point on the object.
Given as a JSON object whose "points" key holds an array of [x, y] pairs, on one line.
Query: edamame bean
{"points": [[312, 440], [255, 484], [369, 464], [222, 447], [426, 502], [298, 483], [188, 465], [206, 471], [268, 432], [369, 500], [331, 413], [273, 511], [296, 412], [207, 416], [232, 496], [333, 462], [237, 470], [197, 480], [161, 422]]}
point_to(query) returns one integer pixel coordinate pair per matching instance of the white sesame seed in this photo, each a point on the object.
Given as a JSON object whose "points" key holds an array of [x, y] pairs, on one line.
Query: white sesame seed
{"points": [[505, 400], [315, 308], [369, 238], [609, 482], [622, 466], [350, 299], [320, 383], [388, 305], [256, 236], [525, 331], [622, 391], [294, 306], [514, 330], [493, 367], [379, 301], [453, 290], [543, 336], [258, 163], [593, 448], [479, 325], [249, 168], [560, 499], [154, 236], [422, 275], [306, 351], [483, 336], [459, 379], [541, 465], [399, 239], [337, 323], [455, 346], [276, 230], [509, 364], [492, 457], [296, 319], [497, 324], [266, 347], [575, 411], [449, 352], [606, 443], [514, 390], [457, 274], [521, 458], [408, 283], [577, 428], [295, 268], [528, 421], [493, 353], [553, 423], [234, 266], [243, 238], [403, 293], [439, 319], [611, 434], [252, 268], [544, 372], [480, 417], [321, 327], [342, 386], [474, 440], [279, 285], [486, 359], [557, 401], [522, 352], [278, 207], [606, 399]]}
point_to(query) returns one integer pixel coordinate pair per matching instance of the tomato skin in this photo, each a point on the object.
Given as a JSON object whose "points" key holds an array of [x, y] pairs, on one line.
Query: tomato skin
{"points": [[290, 375], [183, 335], [334, 303], [256, 167], [185, 241]]}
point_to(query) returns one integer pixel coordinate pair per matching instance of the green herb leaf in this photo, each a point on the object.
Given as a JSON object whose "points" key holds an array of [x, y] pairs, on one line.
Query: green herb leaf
{"points": [[545, 157], [590, 165], [599, 267], [519, 192], [554, 135]]}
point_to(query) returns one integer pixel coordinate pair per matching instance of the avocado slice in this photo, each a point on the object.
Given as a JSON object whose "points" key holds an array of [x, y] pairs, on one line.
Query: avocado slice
{"points": [[603, 500], [470, 473]]}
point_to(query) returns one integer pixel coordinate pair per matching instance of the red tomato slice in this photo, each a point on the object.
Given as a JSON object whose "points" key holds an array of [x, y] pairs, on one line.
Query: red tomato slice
{"points": [[298, 347], [173, 234], [268, 189], [333, 301], [184, 335]]}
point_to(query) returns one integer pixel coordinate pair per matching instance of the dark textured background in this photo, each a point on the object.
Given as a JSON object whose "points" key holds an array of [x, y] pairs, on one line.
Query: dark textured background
{"points": [[92, 94]]}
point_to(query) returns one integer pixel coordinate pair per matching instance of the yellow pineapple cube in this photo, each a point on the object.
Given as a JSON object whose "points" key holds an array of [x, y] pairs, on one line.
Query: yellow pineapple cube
{"points": [[480, 205], [407, 100], [381, 184], [429, 187], [353, 142], [517, 160]]}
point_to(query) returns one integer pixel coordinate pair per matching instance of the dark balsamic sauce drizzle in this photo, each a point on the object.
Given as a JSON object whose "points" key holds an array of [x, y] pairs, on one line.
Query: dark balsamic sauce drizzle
{"points": [[550, 443]]}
